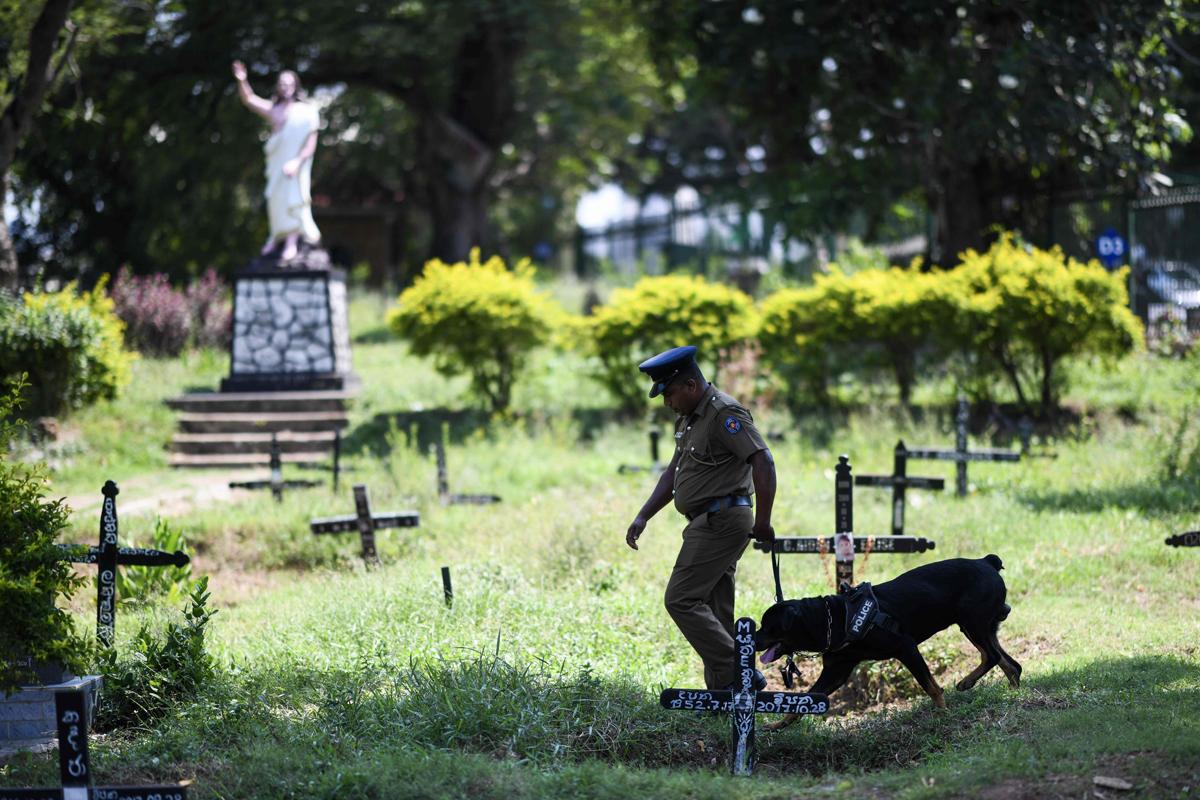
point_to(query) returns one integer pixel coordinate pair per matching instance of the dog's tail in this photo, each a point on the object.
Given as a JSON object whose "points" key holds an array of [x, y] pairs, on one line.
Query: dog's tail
{"points": [[995, 561]]}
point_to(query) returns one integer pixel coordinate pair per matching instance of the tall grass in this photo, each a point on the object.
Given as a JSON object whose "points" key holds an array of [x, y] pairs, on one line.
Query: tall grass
{"points": [[337, 680]]}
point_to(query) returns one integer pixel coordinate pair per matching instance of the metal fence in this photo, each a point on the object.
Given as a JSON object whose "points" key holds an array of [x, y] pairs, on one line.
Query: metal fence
{"points": [[1163, 233], [1165, 255], [702, 238]]}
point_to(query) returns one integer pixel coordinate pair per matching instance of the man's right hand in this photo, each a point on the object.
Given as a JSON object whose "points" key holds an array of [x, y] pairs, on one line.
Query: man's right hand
{"points": [[239, 71], [635, 531]]}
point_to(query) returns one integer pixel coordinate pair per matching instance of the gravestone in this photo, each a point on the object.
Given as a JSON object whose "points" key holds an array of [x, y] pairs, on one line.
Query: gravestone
{"points": [[656, 466], [27, 716], [365, 523], [72, 718], [108, 556], [448, 498], [960, 454], [900, 482], [290, 330], [743, 703], [1189, 539]]}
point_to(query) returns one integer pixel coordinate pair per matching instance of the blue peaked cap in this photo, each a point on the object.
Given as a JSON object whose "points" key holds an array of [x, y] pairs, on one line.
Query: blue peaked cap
{"points": [[665, 366]]}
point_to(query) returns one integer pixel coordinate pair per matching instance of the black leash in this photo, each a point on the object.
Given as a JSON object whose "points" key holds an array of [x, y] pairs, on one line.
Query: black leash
{"points": [[789, 670]]}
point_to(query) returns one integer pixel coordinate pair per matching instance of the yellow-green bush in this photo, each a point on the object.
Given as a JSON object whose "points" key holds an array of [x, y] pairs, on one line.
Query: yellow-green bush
{"points": [[905, 319], [861, 322], [1012, 313], [657, 314], [478, 319], [1022, 310], [70, 343], [802, 340]]}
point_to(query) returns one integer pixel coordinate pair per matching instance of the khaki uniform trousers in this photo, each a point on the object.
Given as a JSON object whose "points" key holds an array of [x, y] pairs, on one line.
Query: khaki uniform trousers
{"points": [[700, 594]]}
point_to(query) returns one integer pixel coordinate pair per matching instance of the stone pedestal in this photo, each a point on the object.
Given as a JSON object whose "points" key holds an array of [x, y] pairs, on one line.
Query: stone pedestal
{"points": [[290, 331], [27, 717]]}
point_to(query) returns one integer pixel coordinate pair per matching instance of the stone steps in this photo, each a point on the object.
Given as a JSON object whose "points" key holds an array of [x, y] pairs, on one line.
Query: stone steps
{"points": [[238, 460], [226, 430], [268, 402], [224, 443], [256, 422]]}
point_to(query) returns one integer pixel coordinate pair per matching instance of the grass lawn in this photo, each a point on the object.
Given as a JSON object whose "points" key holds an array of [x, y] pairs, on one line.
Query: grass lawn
{"points": [[338, 681]]}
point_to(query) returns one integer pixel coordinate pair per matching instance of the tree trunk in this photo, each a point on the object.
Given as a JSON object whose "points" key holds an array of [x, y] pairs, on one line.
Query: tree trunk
{"points": [[17, 116], [10, 275], [457, 184], [959, 208], [463, 139]]}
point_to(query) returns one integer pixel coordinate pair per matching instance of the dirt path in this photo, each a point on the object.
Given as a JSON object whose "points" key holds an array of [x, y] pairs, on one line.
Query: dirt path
{"points": [[197, 488]]}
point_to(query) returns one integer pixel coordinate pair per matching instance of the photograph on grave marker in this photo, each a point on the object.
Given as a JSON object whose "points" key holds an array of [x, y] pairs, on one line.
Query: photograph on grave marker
{"points": [[471, 250]]}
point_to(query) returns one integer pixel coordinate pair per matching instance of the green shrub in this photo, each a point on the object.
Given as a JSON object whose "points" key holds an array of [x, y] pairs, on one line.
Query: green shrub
{"points": [[69, 343], [33, 577], [477, 319], [138, 585], [903, 317], [154, 672], [657, 314], [800, 343], [1022, 310]]}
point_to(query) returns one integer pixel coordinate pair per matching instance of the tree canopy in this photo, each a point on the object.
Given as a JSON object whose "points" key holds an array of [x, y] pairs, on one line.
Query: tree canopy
{"points": [[981, 106], [148, 159]]}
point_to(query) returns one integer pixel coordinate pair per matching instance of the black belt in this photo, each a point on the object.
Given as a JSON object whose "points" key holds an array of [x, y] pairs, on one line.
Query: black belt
{"points": [[722, 503]]}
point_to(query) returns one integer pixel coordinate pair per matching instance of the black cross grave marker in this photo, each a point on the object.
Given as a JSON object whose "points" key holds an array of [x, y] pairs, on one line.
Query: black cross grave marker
{"points": [[276, 483], [1189, 539], [655, 467], [444, 494], [108, 556], [900, 482], [75, 769], [366, 523], [844, 544], [744, 702], [960, 454]]}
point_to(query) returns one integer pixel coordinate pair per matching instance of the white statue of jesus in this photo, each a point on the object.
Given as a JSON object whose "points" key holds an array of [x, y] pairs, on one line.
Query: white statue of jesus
{"points": [[289, 154]]}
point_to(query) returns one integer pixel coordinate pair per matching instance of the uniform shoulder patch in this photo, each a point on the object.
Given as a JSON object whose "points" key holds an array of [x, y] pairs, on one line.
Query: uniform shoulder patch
{"points": [[733, 425]]}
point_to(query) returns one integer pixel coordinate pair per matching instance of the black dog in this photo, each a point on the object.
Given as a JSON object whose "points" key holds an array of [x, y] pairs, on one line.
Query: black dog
{"points": [[891, 619]]}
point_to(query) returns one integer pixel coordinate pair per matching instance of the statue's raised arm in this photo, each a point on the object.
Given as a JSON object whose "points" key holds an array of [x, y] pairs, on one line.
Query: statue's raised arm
{"points": [[250, 100]]}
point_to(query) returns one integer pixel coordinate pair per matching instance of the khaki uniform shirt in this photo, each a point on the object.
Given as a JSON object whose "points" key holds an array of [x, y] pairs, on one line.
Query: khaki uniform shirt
{"points": [[713, 445]]}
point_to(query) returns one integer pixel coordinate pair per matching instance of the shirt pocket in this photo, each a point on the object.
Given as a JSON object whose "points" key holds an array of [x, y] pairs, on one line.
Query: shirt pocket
{"points": [[703, 453]]}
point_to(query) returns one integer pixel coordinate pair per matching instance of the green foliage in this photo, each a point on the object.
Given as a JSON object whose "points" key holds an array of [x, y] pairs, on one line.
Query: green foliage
{"points": [[154, 672], [139, 585], [557, 90], [870, 319], [799, 342], [70, 345], [1022, 310], [660, 313], [983, 104], [1013, 313], [33, 576], [477, 319]]}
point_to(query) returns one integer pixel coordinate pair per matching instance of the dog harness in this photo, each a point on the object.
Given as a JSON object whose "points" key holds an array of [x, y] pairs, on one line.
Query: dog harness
{"points": [[863, 613]]}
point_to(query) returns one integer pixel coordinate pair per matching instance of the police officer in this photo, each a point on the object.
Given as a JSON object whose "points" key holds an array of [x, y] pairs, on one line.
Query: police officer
{"points": [[720, 459]]}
